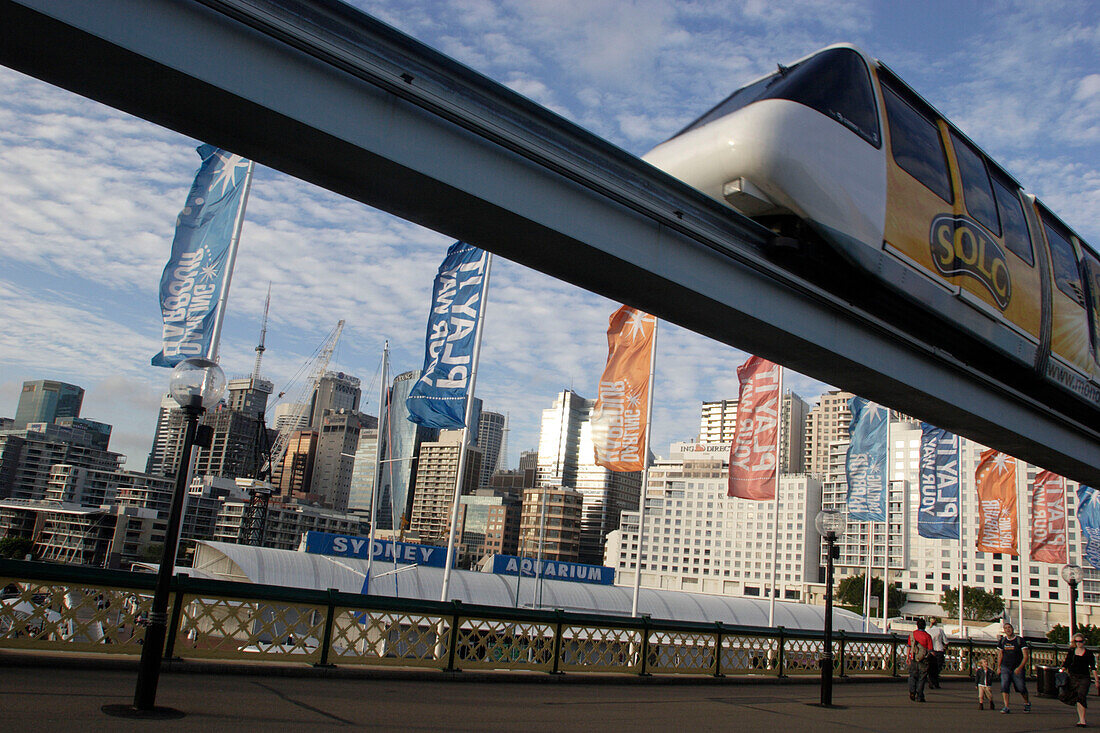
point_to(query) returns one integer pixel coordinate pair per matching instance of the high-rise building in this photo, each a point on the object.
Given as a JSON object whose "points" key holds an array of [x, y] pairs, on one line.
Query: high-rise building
{"points": [[551, 522], [294, 414], [335, 391], [490, 439], [718, 426], [529, 460], [249, 395], [363, 472], [335, 456], [699, 539], [489, 525], [293, 477], [27, 458], [45, 400], [567, 459], [401, 440], [436, 475], [826, 424]]}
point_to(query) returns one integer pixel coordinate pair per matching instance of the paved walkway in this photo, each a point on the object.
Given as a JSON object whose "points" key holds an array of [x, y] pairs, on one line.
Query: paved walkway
{"points": [[55, 698]]}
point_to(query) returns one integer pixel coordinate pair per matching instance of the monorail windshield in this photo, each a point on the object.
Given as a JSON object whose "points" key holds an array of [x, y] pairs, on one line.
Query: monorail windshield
{"points": [[835, 82]]}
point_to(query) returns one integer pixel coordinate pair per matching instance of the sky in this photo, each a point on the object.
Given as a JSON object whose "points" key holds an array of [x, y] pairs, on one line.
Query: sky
{"points": [[89, 196]]}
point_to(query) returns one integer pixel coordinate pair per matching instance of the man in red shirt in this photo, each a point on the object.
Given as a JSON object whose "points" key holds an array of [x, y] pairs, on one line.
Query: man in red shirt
{"points": [[920, 660]]}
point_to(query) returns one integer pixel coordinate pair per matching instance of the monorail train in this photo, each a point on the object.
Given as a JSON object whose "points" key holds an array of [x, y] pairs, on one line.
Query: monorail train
{"points": [[838, 147]]}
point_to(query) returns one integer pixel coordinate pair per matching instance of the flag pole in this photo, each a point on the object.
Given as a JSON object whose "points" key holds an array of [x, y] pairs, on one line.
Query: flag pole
{"points": [[382, 408], [231, 260], [1021, 483], [775, 524], [466, 429], [645, 474], [962, 502]]}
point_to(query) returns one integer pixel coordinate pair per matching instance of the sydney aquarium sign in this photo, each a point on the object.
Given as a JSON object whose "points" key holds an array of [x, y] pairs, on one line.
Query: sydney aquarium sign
{"points": [[553, 570], [343, 545]]}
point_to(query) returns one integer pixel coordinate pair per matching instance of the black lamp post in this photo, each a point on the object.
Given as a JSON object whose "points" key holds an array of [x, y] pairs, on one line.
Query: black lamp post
{"points": [[196, 384], [1072, 574], [830, 525]]}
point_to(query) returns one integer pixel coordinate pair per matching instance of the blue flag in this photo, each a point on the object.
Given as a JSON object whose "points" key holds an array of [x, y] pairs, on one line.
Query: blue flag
{"points": [[938, 517], [438, 400], [192, 279], [866, 462], [1088, 518]]}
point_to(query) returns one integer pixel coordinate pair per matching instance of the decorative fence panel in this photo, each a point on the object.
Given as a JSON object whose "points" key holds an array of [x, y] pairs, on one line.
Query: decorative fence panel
{"points": [[75, 609]]}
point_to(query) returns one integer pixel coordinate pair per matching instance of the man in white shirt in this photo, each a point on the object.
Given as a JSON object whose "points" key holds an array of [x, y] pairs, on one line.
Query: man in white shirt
{"points": [[939, 652]]}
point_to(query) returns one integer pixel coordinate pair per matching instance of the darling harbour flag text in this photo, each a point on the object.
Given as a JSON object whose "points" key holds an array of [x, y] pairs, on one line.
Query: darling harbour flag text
{"points": [[996, 481], [1048, 518], [438, 400], [198, 266], [1088, 518], [938, 517], [753, 472], [866, 461], [618, 418]]}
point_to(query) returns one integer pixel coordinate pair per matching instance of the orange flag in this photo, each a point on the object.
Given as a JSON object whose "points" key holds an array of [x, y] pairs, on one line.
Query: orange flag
{"points": [[618, 419], [1048, 518], [753, 462], [996, 480]]}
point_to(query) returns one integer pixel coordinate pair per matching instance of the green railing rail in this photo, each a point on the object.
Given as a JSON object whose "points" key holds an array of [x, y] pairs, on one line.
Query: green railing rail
{"points": [[68, 608]]}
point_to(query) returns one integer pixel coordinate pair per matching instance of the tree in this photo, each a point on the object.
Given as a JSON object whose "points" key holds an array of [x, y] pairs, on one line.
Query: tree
{"points": [[849, 593], [979, 605], [16, 548], [1060, 634]]}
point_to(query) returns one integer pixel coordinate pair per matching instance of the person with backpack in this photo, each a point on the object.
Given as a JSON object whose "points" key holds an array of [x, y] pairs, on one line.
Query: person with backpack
{"points": [[920, 660]]}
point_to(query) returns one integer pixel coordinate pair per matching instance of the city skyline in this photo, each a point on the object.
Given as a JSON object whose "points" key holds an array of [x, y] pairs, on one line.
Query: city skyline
{"points": [[90, 196]]}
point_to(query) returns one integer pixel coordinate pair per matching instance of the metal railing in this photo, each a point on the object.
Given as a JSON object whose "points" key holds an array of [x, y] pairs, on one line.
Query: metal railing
{"points": [[67, 608]]}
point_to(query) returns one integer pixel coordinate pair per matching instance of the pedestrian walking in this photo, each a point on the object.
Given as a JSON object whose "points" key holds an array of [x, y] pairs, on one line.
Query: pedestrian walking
{"points": [[1012, 655], [939, 653], [920, 659], [1079, 663], [984, 679]]}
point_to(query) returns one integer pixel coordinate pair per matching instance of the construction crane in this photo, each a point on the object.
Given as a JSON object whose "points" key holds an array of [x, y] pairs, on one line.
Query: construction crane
{"points": [[320, 364]]}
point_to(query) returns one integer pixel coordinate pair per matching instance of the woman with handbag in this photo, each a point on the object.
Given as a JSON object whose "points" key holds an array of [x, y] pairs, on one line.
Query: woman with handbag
{"points": [[1079, 663]]}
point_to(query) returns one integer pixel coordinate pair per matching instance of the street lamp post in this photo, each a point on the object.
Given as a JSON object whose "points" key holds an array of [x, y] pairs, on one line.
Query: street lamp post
{"points": [[1072, 574], [830, 525], [197, 385]]}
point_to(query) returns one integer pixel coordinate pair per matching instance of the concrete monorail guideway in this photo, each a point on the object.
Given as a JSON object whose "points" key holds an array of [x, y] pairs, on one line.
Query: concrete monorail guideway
{"points": [[325, 93]]}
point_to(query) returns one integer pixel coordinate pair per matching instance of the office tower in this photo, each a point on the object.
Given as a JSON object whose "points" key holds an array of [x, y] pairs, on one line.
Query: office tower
{"points": [[294, 414], [489, 525], [529, 460], [826, 424], [293, 477], [567, 459], [335, 455], [718, 425], [699, 539], [166, 438], [401, 440], [552, 514], [249, 395], [45, 400], [335, 391], [363, 474], [436, 476], [490, 440]]}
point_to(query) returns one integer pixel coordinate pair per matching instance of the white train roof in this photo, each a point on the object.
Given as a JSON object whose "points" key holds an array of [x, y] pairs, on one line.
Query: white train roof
{"points": [[305, 570]]}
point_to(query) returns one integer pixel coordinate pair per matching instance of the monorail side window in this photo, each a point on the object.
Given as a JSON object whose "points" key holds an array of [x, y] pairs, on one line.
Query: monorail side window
{"points": [[916, 144], [1067, 274], [1092, 279], [1014, 225], [977, 192], [835, 83]]}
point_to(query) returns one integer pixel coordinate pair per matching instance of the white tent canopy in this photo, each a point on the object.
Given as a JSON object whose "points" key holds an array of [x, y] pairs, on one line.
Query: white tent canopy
{"points": [[304, 570]]}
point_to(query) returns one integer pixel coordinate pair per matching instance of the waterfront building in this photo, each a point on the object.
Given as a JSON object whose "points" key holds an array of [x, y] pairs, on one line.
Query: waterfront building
{"points": [[436, 475], [45, 400], [551, 521]]}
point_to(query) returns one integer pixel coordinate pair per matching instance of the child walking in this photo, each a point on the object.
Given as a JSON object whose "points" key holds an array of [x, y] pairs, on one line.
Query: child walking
{"points": [[984, 678]]}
